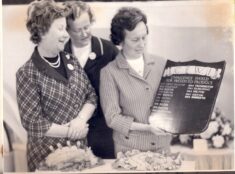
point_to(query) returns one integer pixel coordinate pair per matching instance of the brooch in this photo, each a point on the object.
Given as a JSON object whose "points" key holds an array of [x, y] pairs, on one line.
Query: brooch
{"points": [[70, 66], [67, 56], [92, 56]]}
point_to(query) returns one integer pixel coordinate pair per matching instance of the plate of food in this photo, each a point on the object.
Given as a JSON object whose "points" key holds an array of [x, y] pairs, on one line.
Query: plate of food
{"points": [[70, 158], [147, 161]]}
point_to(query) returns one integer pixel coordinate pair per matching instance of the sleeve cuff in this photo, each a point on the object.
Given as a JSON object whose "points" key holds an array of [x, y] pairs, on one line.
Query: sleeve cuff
{"points": [[123, 124], [93, 102]]}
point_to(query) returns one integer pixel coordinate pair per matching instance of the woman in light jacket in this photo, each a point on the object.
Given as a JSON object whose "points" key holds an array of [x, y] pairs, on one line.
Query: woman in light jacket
{"points": [[54, 95], [128, 85]]}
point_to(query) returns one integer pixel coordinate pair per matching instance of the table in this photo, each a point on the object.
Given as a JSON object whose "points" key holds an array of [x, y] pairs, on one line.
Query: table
{"points": [[21, 162], [107, 168], [211, 159]]}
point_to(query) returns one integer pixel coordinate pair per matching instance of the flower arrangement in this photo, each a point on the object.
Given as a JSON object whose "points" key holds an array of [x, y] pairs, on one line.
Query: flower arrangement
{"points": [[218, 134]]}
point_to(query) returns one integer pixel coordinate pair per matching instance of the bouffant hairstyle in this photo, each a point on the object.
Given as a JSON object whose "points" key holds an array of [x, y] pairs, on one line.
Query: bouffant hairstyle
{"points": [[76, 8], [40, 16], [126, 19]]}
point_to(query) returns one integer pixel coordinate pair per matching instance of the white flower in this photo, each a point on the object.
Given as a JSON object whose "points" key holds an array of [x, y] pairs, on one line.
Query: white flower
{"points": [[184, 139], [205, 135], [226, 129], [217, 111], [218, 141], [212, 128], [92, 56], [219, 120], [213, 116]]}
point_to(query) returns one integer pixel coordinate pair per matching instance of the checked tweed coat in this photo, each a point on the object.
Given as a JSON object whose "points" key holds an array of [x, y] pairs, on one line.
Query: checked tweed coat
{"points": [[44, 97]]}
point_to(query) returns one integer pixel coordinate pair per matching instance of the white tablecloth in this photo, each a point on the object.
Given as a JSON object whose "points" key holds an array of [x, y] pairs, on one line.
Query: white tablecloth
{"points": [[211, 159]]}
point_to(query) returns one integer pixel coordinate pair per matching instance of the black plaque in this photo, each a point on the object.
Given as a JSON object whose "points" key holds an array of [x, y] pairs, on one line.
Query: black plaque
{"points": [[186, 96]]}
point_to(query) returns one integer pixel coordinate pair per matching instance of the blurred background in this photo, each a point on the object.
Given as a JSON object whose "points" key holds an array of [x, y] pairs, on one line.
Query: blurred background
{"points": [[179, 31]]}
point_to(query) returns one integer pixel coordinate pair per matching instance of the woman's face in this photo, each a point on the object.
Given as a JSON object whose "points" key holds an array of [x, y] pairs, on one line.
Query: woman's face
{"points": [[56, 37], [80, 30], [135, 41]]}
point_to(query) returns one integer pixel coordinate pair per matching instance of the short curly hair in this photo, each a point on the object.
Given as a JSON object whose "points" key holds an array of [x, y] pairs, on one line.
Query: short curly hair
{"points": [[76, 8], [40, 16], [126, 19]]}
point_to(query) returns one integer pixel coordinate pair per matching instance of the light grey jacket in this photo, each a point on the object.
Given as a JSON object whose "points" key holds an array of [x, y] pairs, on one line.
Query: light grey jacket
{"points": [[126, 97]]}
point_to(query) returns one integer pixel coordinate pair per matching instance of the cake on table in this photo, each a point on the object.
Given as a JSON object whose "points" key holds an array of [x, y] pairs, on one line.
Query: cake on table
{"points": [[70, 158], [79, 157], [147, 161]]}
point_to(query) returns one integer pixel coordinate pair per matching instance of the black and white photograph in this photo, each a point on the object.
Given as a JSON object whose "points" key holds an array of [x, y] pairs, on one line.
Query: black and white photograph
{"points": [[117, 86]]}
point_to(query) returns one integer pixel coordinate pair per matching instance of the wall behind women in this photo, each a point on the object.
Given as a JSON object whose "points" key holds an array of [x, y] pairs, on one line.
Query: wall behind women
{"points": [[179, 30], [186, 30]]}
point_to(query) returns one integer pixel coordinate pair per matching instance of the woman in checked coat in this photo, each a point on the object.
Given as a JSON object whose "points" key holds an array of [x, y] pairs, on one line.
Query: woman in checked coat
{"points": [[55, 97]]}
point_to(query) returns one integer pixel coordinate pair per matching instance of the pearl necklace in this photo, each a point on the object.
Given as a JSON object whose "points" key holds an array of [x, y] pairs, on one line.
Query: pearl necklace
{"points": [[54, 64]]}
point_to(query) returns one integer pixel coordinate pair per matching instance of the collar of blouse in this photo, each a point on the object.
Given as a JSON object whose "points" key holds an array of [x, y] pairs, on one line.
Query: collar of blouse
{"points": [[96, 47], [148, 62]]}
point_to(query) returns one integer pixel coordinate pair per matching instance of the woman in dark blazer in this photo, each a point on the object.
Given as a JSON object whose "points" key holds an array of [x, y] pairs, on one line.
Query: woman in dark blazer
{"points": [[93, 53], [54, 94], [129, 83]]}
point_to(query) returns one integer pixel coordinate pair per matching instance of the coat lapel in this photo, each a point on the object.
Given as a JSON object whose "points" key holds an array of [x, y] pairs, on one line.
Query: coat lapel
{"points": [[149, 61], [47, 69]]}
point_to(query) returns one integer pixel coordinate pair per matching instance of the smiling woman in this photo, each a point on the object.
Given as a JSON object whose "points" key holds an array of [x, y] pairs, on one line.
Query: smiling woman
{"points": [[54, 96], [54, 40]]}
